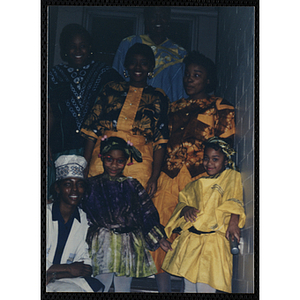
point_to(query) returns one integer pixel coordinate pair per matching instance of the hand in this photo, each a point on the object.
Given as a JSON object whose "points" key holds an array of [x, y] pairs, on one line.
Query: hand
{"points": [[151, 187], [165, 245], [233, 229], [79, 269], [189, 213]]}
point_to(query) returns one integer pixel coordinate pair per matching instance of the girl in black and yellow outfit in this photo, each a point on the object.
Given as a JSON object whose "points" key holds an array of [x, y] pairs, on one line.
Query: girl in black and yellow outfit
{"points": [[133, 111]]}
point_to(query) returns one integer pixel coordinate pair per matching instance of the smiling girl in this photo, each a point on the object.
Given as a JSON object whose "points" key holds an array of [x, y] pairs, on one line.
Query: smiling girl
{"points": [[210, 211], [123, 220]]}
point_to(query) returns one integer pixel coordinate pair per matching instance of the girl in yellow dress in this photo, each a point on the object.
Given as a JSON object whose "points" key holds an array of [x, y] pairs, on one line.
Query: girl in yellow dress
{"points": [[210, 211]]}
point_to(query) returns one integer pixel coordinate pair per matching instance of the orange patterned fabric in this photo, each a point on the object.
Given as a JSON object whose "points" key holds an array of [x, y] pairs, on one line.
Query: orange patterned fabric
{"points": [[135, 114], [191, 122]]}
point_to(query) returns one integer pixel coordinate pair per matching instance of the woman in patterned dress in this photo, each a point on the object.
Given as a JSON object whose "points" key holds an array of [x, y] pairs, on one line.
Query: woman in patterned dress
{"points": [[192, 121], [73, 89], [133, 111]]}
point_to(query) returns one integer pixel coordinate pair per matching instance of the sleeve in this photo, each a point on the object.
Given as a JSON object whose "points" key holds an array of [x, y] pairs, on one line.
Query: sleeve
{"points": [[92, 128], [111, 75], [152, 230], [186, 198], [58, 91], [161, 130], [225, 124], [82, 253], [232, 202]]}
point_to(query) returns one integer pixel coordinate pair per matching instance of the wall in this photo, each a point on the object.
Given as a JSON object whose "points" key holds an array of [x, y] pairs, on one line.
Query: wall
{"points": [[235, 63]]}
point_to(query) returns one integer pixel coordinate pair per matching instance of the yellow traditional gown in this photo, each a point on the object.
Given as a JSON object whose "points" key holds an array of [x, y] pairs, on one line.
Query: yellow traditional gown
{"points": [[206, 258], [191, 122]]}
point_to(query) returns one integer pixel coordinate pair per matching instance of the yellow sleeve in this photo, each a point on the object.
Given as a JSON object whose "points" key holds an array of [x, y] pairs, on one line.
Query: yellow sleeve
{"points": [[232, 202], [186, 198]]}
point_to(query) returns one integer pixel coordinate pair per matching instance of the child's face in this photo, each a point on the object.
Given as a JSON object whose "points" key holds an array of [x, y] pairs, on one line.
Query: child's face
{"points": [[195, 81], [138, 69], [214, 161], [70, 190], [114, 162]]}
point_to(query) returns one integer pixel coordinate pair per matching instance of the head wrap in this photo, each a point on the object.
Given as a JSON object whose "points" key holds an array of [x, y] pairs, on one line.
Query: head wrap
{"points": [[70, 166], [225, 148], [116, 143]]}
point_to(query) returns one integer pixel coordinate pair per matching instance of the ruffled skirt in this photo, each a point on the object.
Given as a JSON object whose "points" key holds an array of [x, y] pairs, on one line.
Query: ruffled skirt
{"points": [[123, 254]]}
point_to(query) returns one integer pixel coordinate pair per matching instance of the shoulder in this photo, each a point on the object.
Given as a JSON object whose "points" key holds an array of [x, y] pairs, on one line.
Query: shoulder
{"points": [[155, 91], [60, 66], [134, 182], [116, 86], [178, 105], [170, 44], [49, 207], [192, 185], [230, 173], [130, 39], [222, 103], [100, 66], [92, 180], [82, 215]]}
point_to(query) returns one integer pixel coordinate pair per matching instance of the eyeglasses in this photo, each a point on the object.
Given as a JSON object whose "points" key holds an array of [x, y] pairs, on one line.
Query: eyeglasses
{"points": [[119, 161]]}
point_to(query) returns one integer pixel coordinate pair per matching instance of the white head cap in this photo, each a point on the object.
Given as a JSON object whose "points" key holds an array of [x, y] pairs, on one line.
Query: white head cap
{"points": [[70, 166]]}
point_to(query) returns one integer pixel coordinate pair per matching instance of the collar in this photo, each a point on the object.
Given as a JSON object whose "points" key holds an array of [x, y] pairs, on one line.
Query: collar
{"points": [[56, 215], [116, 178]]}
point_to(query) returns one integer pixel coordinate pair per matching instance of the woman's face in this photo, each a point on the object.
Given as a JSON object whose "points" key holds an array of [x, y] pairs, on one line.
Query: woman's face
{"points": [[70, 191], [78, 51], [114, 162], [138, 68], [195, 81]]}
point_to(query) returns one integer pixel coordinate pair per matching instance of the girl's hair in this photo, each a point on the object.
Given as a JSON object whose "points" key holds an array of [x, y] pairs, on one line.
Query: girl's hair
{"points": [[68, 33], [141, 49], [197, 58], [116, 143]]}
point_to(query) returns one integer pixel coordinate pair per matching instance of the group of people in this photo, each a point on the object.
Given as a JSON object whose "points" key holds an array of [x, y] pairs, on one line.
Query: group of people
{"points": [[141, 173]]}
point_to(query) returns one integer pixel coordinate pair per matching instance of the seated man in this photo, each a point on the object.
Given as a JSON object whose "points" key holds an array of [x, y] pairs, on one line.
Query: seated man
{"points": [[68, 264]]}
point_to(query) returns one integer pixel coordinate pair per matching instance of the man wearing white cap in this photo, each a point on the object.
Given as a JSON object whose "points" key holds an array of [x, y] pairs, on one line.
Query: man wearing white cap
{"points": [[67, 260]]}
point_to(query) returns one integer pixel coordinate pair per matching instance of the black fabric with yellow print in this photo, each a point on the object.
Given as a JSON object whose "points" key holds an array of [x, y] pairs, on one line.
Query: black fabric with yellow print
{"points": [[151, 119], [192, 122]]}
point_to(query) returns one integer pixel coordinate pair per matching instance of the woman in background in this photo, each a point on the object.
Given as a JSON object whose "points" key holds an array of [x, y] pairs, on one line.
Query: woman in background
{"points": [[192, 121], [73, 89]]}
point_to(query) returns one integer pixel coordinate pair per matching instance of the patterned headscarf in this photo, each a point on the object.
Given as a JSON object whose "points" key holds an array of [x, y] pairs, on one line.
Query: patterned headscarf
{"points": [[225, 148], [116, 143], [70, 166]]}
